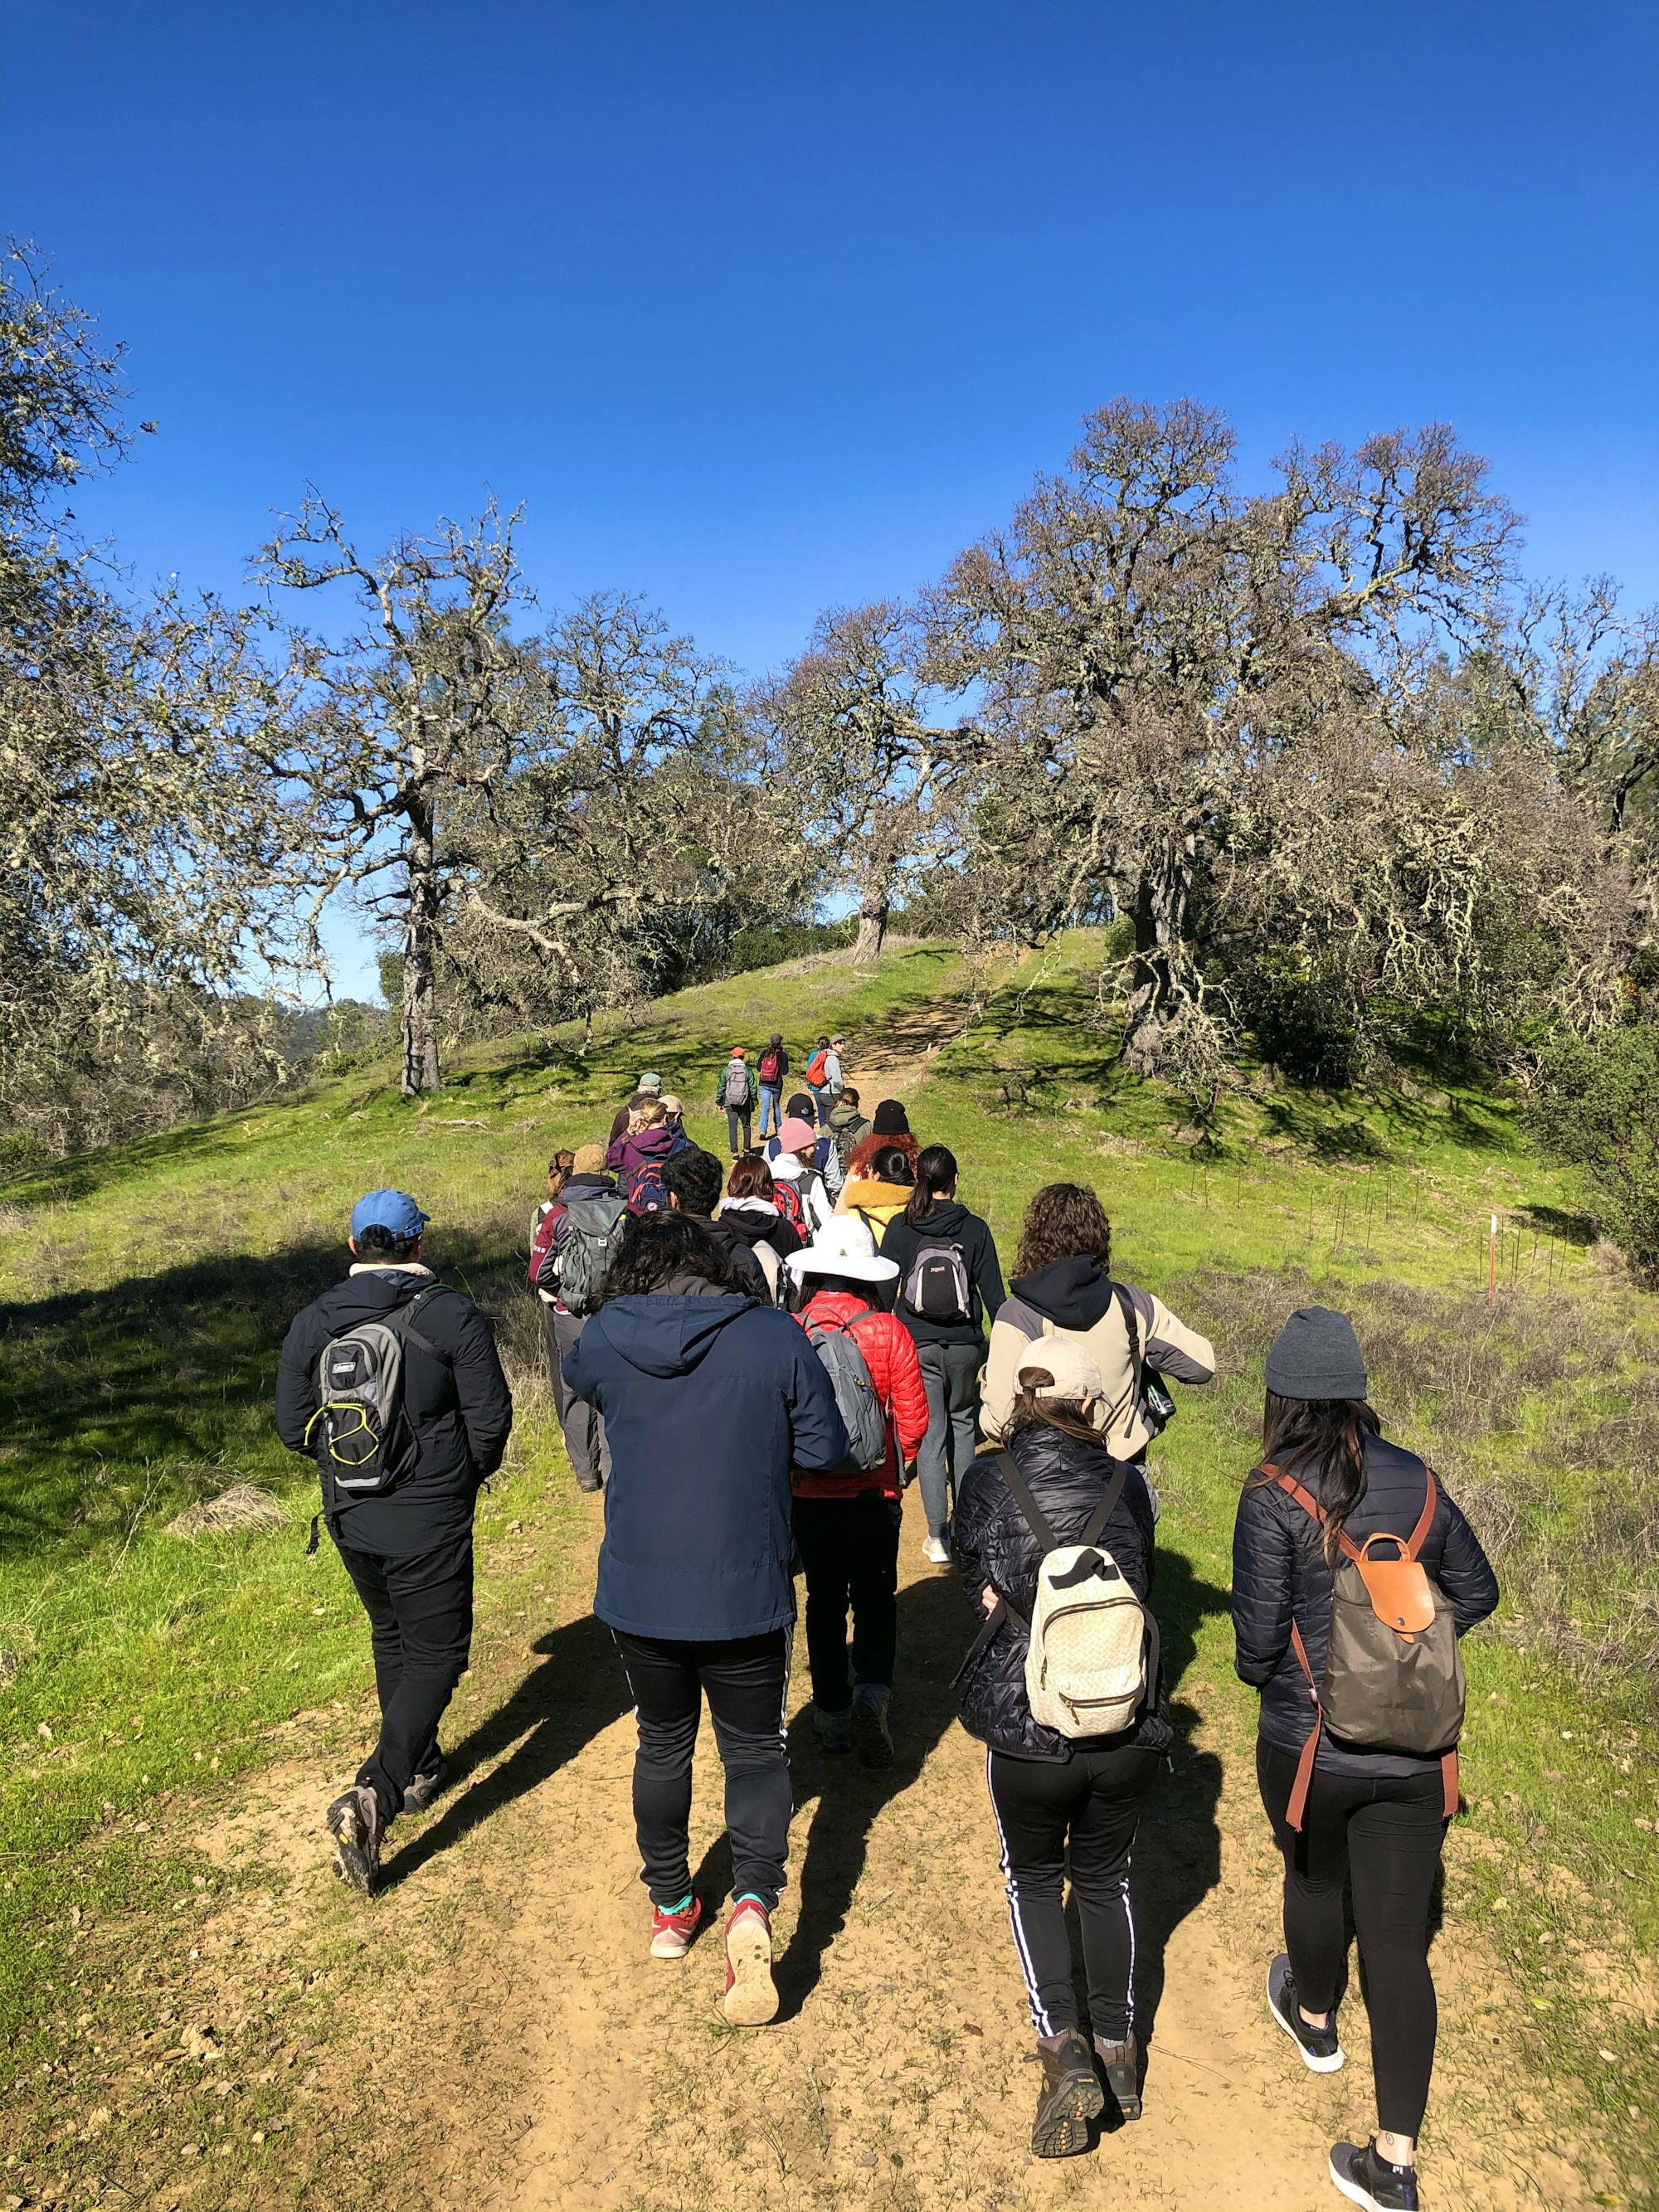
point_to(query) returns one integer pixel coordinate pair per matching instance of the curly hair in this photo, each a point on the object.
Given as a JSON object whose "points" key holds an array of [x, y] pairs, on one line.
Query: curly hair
{"points": [[750, 1177], [1063, 1221], [656, 1247], [560, 1168]]}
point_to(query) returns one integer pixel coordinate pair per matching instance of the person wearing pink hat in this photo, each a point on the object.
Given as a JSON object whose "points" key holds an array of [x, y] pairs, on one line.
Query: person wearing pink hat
{"points": [[797, 1163]]}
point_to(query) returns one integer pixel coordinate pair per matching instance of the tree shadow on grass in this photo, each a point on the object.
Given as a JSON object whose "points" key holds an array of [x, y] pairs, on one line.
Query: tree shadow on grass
{"points": [[557, 1709]]}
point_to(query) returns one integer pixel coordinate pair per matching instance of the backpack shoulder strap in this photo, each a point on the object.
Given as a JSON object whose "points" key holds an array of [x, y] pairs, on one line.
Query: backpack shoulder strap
{"points": [[1311, 1505], [1103, 1513], [1022, 1498], [1418, 1536], [401, 1322]]}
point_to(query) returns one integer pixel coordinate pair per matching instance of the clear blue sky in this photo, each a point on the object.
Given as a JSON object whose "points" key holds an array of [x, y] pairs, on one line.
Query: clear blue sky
{"points": [[761, 309]]}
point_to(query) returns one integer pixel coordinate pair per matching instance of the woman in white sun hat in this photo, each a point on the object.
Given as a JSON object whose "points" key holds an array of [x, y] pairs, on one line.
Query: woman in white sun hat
{"points": [[846, 1522]]}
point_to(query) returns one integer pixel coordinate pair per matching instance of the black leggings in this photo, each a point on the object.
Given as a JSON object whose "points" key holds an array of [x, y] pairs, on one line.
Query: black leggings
{"points": [[1090, 1801], [1379, 1839]]}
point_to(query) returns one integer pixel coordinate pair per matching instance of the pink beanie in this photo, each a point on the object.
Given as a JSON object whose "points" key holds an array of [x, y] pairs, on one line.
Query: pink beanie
{"points": [[797, 1135]]}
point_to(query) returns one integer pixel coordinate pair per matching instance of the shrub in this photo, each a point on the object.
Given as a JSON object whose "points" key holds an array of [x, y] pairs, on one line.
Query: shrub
{"points": [[1597, 1104]]}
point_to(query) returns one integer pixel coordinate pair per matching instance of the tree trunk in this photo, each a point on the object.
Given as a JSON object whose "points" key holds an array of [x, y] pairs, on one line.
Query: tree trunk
{"points": [[872, 928], [1159, 912], [420, 1023]]}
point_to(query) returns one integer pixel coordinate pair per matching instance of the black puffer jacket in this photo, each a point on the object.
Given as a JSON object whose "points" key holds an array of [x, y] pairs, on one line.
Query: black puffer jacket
{"points": [[1279, 1575], [994, 1543], [458, 1404]]}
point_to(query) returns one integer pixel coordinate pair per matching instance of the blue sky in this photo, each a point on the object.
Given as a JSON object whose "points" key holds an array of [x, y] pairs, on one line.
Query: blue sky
{"points": [[765, 308]]}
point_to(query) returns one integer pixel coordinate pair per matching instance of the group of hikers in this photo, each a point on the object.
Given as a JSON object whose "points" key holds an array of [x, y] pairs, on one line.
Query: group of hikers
{"points": [[752, 1360]]}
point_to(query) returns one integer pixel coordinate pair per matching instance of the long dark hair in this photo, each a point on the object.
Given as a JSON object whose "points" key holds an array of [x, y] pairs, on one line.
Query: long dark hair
{"points": [[1064, 1415], [1324, 1439], [936, 1173], [1064, 1220], [656, 1246]]}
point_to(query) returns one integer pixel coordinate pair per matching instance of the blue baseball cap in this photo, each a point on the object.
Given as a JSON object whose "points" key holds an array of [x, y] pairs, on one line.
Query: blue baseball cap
{"points": [[394, 1210]]}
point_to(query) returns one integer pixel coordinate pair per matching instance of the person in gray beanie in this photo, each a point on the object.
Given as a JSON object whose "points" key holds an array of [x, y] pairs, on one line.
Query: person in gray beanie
{"points": [[1353, 1820]]}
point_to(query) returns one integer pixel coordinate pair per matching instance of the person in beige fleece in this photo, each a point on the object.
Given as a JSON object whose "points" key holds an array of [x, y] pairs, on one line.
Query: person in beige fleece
{"points": [[1063, 1285]]}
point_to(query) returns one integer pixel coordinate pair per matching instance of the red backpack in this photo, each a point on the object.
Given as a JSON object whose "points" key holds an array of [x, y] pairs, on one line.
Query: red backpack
{"points": [[768, 1064], [788, 1200]]}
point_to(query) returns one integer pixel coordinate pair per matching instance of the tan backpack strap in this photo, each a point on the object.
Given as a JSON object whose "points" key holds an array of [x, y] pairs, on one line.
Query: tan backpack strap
{"points": [[1418, 1536], [1309, 1503], [1296, 1811], [1451, 1786]]}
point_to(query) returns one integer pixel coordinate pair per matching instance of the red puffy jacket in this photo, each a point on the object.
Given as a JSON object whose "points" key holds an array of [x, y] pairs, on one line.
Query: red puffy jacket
{"points": [[889, 1353]]}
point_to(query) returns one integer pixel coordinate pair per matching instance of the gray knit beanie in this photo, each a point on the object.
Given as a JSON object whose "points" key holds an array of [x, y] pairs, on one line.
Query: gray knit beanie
{"points": [[1316, 1355]]}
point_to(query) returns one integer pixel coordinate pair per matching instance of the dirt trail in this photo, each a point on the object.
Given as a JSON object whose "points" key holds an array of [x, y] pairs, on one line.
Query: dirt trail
{"points": [[555, 2065]]}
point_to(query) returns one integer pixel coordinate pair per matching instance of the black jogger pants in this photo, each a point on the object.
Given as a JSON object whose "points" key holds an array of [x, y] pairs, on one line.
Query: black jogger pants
{"points": [[1090, 1802], [849, 1550], [420, 1613], [1381, 1841]]}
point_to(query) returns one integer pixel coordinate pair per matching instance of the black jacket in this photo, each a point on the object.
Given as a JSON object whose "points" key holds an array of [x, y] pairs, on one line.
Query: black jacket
{"points": [[949, 1223], [751, 1276], [994, 1543], [458, 1405], [1279, 1575]]}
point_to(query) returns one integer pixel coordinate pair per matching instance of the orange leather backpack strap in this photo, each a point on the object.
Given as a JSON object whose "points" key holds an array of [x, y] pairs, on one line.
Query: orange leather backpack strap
{"points": [[1418, 1536], [1296, 1811], [1311, 1505]]}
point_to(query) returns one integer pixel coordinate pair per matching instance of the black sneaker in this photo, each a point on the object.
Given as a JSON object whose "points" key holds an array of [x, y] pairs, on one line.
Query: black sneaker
{"points": [[873, 1741], [1366, 2178], [354, 1821], [1071, 2096], [1321, 2051]]}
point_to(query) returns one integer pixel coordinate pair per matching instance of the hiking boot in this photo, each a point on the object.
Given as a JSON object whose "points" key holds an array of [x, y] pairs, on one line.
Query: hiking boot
{"points": [[1321, 2051], [937, 1551], [1070, 2097], [751, 1995], [672, 1932], [426, 1785], [835, 1731], [354, 1821], [1365, 2177], [1120, 2062], [872, 1740], [589, 1483]]}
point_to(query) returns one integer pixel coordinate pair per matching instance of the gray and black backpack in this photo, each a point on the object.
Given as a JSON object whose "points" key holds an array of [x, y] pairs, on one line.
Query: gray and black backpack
{"points": [[589, 1238], [361, 1432], [856, 1401]]}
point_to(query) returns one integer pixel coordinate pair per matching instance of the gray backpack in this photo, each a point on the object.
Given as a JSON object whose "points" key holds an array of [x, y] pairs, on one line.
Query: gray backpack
{"points": [[591, 1236], [737, 1083], [363, 1438], [855, 1396], [1394, 1676]]}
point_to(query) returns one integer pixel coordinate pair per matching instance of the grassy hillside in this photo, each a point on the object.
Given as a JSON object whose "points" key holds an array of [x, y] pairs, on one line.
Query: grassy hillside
{"points": [[147, 1290]]}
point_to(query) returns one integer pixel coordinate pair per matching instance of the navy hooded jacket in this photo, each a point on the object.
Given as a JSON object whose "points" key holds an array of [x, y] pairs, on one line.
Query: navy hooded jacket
{"points": [[708, 1398]]}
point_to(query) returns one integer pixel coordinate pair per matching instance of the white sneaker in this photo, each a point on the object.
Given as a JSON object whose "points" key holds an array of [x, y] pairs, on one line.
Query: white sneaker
{"points": [[938, 1551]]}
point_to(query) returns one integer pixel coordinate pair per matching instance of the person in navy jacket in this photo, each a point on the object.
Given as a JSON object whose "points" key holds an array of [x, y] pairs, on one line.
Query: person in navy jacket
{"points": [[709, 1398]]}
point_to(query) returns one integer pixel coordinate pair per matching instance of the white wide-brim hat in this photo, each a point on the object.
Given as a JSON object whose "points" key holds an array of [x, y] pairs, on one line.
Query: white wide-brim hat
{"points": [[843, 1246]]}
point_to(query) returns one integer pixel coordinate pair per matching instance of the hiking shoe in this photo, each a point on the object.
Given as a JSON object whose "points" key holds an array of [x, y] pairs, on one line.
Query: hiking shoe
{"points": [[1365, 2177], [672, 1932], [590, 1484], [354, 1821], [1321, 2051], [426, 1785], [835, 1731], [751, 1995], [872, 1740], [937, 1551], [1070, 2097], [1120, 2062]]}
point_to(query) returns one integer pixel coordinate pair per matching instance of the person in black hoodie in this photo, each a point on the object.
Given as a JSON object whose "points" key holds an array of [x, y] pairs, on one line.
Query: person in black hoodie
{"points": [[1057, 1797], [1374, 1821], [408, 1550], [708, 1398], [949, 1326], [694, 1181]]}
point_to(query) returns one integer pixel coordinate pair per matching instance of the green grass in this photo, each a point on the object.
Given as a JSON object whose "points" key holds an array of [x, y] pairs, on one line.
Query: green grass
{"points": [[147, 1288]]}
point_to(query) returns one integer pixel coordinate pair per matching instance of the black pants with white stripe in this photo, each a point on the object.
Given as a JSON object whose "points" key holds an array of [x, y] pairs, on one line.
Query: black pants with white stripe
{"points": [[1086, 1807], [748, 1685]]}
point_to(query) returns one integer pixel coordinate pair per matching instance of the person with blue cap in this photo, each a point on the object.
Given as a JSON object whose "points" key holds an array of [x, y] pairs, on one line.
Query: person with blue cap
{"points": [[391, 1380]]}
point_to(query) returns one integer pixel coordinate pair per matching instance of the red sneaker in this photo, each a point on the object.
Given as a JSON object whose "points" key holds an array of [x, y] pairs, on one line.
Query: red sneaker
{"points": [[751, 1995], [672, 1932]]}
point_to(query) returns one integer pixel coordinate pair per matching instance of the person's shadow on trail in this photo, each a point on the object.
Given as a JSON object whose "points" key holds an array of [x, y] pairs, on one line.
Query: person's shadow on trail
{"points": [[934, 1630], [558, 1708]]}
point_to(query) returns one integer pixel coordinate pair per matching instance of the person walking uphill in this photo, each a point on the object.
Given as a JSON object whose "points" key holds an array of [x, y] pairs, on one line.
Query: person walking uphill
{"points": [[736, 1091], [708, 1398], [1357, 1719], [1062, 1283], [769, 1079], [846, 1522], [949, 1290], [392, 1381], [1054, 1546], [573, 1238]]}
